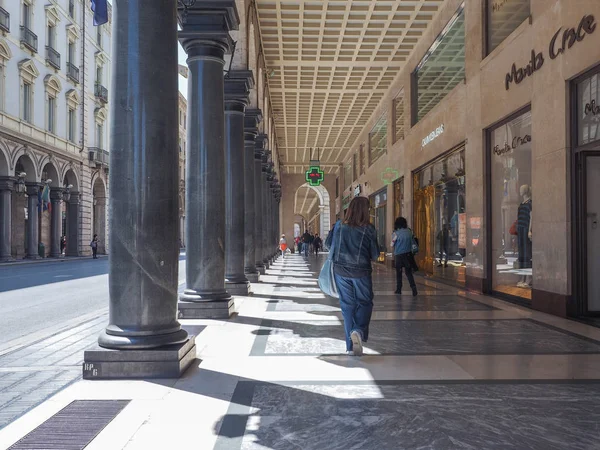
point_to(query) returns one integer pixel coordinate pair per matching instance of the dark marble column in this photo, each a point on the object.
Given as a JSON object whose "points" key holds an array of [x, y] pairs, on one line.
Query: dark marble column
{"points": [[205, 38], [264, 236], [73, 219], [56, 196], [143, 195], [237, 88], [6, 188], [32, 221], [251, 120], [258, 200]]}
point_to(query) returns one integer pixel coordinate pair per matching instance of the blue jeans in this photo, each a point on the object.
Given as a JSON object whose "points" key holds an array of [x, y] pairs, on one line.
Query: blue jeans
{"points": [[356, 301], [305, 249]]}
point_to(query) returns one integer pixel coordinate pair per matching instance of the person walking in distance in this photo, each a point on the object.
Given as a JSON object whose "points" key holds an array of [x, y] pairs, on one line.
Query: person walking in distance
{"points": [[317, 243], [354, 247], [94, 245], [305, 243], [402, 239], [282, 245]]}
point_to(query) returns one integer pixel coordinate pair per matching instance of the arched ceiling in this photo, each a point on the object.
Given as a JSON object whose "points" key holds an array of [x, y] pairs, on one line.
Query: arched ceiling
{"points": [[329, 66], [306, 202]]}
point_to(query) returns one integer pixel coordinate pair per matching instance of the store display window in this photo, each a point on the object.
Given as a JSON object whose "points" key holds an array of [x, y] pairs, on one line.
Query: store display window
{"points": [[398, 198], [378, 203], [504, 17], [512, 206], [588, 109], [439, 216]]}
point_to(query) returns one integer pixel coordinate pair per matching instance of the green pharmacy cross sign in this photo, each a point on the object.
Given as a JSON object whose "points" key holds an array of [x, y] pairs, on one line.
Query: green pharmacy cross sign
{"points": [[314, 176], [389, 175]]}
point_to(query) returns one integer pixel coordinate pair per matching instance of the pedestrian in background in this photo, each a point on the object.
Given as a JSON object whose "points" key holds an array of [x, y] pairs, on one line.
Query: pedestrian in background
{"points": [[355, 247], [282, 245], [402, 240], [317, 243], [94, 245]]}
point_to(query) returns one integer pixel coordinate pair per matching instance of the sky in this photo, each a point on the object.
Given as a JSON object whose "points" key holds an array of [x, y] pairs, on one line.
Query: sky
{"points": [[182, 81]]}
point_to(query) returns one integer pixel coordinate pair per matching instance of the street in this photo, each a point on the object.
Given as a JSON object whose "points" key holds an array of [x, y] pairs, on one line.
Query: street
{"points": [[50, 312]]}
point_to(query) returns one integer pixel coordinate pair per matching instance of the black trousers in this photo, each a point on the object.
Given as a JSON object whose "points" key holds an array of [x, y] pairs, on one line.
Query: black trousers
{"points": [[95, 252], [525, 247], [404, 262]]}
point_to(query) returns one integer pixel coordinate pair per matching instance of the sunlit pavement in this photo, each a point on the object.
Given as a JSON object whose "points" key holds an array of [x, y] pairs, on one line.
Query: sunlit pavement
{"points": [[448, 369]]}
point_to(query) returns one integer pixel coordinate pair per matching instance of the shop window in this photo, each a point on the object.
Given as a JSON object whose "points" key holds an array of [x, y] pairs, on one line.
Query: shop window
{"points": [[588, 110], [378, 140], [355, 167], [378, 203], [398, 197], [348, 174], [399, 117], [511, 203], [439, 216], [442, 68], [502, 18]]}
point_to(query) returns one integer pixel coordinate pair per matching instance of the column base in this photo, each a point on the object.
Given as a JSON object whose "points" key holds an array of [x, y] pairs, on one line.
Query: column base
{"points": [[222, 309], [253, 277], [237, 288], [140, 342], [6, 259], [261, 268], [266, 263], [59, 256], [170, 361], [33, 258]]}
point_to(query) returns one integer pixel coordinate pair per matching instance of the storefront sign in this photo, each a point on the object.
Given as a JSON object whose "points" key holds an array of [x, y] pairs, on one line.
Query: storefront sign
{"points": [[516, 142], [357, 190], [432, 136], [570, 36], [591, 108], [314, 176]]}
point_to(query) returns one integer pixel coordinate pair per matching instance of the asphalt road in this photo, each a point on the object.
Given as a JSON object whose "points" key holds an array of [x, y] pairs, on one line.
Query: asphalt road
{"points": [[40, 298]]}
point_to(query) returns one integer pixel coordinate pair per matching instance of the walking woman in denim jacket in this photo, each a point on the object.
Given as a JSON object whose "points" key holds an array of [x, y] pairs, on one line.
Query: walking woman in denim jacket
{"points": [[354, 245], [402, 241]]}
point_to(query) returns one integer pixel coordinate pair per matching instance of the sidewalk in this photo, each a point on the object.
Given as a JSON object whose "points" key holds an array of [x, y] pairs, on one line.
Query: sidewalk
{"points": [[447, 369], [24, 262]]}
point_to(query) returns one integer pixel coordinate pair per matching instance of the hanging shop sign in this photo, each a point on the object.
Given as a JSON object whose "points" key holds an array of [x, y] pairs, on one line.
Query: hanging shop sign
{"points": [[357, 190], [432, 136], [314, 176], [389, 175], [558, 44]]}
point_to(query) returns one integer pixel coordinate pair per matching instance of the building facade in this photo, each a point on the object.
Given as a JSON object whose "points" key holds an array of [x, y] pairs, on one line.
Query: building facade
{"points": [[495, 110], [54, 78]]}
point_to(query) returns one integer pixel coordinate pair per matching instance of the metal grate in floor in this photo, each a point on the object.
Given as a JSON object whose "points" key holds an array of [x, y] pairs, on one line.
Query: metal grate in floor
{"points": [[73, 427]]}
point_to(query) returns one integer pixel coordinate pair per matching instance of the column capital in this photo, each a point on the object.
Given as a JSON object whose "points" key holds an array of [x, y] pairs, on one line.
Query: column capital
{"points": [[237, 86], [205, 28], [32, 188], [259, 146], [56, 194], [74, 199], [252, 119], [7, 183]]}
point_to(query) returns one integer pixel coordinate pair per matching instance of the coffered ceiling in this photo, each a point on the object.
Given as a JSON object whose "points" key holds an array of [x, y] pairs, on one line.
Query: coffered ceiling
{"points": [[329, 66]]}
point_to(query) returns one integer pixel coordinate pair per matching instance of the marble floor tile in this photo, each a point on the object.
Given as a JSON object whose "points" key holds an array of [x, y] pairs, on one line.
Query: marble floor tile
{"points": [[412, 416], [420, 337]]}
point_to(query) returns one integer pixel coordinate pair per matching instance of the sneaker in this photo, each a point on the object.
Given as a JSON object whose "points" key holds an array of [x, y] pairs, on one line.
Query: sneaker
{"points": [[357, 345], [350, 353]]}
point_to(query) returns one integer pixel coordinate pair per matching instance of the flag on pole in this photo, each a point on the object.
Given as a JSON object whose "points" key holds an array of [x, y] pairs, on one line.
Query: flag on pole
{"points": [[100, 9]]}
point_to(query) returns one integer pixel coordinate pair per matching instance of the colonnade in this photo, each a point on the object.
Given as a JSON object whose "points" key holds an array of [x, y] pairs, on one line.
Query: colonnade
{"points": [[232, 193]]}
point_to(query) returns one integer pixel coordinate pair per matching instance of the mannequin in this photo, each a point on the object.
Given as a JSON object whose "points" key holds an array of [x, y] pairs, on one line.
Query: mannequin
{"points": [[524, 235]]}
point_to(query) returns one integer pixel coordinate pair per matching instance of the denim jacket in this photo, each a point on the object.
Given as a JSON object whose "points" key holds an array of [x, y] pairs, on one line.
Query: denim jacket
{"points": [[353, 247], [402, 241]]}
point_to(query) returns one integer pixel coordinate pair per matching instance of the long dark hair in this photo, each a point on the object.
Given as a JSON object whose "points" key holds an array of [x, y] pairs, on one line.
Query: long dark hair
{"points": [[358, 212], [400, 223]]}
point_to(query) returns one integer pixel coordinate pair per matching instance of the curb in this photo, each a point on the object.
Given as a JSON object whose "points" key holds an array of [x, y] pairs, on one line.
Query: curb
{"points": [[48, 260]]}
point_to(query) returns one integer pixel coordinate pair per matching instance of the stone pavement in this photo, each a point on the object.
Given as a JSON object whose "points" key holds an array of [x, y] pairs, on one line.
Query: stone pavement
{"points": [[449, 369]]}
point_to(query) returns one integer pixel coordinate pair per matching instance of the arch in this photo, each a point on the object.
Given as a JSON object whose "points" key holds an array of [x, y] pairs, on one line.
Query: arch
{"points": [[26, 164], [4, 166], [5, 53], [70, 178], [322, 195], [49, 172]]}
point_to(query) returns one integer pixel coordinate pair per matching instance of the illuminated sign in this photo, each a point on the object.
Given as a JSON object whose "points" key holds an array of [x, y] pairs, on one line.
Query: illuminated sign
{"points": [[314, 176], [389, 175], [432, 136]]}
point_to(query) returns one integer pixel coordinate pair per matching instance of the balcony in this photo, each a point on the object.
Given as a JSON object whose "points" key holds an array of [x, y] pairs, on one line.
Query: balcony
{"points": [[101, 93], [29, 39], [53, 57], [73, 72], [4, 20], [99, 156]]}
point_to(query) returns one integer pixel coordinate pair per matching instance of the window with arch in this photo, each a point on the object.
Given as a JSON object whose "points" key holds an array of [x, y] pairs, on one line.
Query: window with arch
{"points": [[28, 73], [53, 88], [5, 55]]}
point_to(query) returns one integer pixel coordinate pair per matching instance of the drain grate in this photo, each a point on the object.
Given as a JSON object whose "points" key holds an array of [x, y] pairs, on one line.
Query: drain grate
{"points": [[73, 427]]}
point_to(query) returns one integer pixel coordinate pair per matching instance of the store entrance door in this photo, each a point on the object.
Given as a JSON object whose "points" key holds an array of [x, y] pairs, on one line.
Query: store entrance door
{"points": [[592, 226]]}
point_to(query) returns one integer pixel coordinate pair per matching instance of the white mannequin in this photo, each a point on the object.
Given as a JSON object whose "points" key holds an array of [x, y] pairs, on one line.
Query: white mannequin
{"points": [[525, 191]]}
